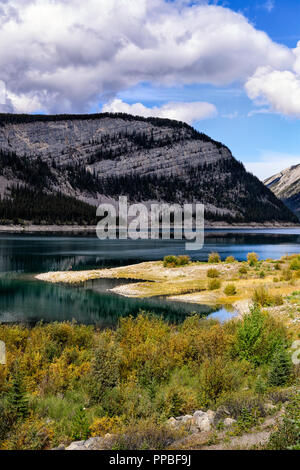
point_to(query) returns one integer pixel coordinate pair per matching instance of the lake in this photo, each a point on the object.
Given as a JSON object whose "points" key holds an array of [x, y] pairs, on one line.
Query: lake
{"points": [[23, 299]]}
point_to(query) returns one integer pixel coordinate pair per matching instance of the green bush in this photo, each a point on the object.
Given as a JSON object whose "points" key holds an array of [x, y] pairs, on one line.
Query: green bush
{"points": [[105, 370], [171, 261], [230, 259], [262, 274], [243, 270], [295, 265], [80, 426], [252, 258], [214, 284], [146, 435], [287, 275], [214, 258], [280, 369], [213, 273], [17, 397], [258, 337], [287, 437], [230, 290], [262, 297]]}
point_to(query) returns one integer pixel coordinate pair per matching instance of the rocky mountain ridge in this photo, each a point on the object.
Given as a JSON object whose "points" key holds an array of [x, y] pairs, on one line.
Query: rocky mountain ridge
{"points": [[95, 158], [286, 186]]}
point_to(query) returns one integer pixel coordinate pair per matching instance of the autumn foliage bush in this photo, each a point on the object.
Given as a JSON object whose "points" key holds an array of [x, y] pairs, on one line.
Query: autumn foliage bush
{"points": [[81, 381]]}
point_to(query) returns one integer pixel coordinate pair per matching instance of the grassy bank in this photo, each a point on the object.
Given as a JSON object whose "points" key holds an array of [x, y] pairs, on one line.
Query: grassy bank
{"points": [[213, 282]]}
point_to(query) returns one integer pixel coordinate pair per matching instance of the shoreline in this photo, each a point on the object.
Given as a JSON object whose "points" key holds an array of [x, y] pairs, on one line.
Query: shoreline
{"points": [[16, 229], [191, 283]]}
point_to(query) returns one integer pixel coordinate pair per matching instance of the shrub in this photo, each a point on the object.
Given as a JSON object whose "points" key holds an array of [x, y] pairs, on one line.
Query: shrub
{"points": [[281, 368], [262, 274], [146, 435], [241, 404], [105, 425], [262, 297], [80, 425], [17, 398], [171, 261], [230, 290], [214, 284], [213, 273], [243, 270], [216, 378], [257, 338], [277, 267], [295, 265], [252, 259], [287, 437], [287, 275], [214, 258], [230, 259], [105, 370]]}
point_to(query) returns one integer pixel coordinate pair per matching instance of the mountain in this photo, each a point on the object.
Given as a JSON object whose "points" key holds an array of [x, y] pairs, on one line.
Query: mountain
{"points": [[47, 163], [286, 186]]}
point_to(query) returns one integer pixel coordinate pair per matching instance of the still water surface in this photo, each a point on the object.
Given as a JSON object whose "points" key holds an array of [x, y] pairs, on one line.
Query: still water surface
{"points": [[22, 299]]}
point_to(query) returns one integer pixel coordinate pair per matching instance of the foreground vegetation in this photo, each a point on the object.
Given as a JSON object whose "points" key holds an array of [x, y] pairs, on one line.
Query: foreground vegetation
{"points": [[65, 382]]}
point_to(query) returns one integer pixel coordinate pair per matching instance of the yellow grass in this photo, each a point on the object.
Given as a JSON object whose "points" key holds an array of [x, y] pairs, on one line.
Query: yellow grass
{"points": [[188, 283]]}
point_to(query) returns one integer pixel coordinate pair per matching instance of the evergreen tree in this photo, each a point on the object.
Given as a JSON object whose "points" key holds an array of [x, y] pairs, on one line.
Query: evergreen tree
{"points": [[281, 368], [17, 399], [80, 425]]}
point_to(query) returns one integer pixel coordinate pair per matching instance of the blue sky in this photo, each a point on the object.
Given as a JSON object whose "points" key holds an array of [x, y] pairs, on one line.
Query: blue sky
{"points": [[231, 68], [265, 143]]}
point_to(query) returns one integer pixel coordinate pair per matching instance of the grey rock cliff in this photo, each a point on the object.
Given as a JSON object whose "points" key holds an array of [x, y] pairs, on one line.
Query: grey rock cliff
{"points": [[96, 158]]}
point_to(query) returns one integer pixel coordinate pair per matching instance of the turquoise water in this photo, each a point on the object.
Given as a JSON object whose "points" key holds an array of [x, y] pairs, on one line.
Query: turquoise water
{"points": [[22, 299]]}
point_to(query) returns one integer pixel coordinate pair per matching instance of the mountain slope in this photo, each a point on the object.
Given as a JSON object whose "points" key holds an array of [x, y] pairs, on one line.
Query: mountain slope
{"points": [[286, 186], [95, 158]]}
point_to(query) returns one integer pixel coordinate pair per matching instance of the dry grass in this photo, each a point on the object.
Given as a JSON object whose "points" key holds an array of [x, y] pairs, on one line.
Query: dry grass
{"points": [[190, 283]]}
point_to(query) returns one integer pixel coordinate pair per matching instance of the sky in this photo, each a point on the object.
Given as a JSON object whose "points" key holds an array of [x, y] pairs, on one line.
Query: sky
{"points": [[230, 68]]}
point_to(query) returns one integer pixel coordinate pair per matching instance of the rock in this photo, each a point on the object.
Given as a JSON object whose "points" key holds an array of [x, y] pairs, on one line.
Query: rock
{"points": [[204, 421], [79, 445], [94, 443], [228, 422], [172, 423], [199, 413], [60, 447], [186, 419]]}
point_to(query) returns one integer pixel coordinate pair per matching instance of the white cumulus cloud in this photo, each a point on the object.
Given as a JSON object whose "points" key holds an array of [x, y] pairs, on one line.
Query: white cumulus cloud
{"points": [[187, 112], [279, 89], [66, 55]]}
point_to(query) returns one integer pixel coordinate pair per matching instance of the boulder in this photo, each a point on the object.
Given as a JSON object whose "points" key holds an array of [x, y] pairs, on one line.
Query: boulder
{"points": [[172, 423], [94, 443], [186, 419], [204, 421]]}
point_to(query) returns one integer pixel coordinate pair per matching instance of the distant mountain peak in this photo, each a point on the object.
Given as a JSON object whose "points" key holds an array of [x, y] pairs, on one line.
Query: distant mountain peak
{"points": [[286, 186]]}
